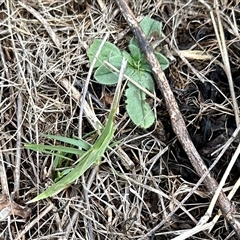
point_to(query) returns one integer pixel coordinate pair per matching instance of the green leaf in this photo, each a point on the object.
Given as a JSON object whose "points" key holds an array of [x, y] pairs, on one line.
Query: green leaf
{"points": [[75, 142], [61, 174], [127, 56], [91, 156], [145, 66], [132, 64], [139, 111], [48, 149], [137, 69], [108, 50], [105, 75], [134, 42], [162, 60], [151, 26], [144, 79], [135, 52]]}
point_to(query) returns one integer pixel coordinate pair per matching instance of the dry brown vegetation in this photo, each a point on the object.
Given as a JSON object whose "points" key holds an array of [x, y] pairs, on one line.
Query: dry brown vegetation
{"points": [[143, 178]]}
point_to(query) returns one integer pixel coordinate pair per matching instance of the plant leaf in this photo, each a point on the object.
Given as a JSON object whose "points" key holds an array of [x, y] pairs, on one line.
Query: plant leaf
{"points": [[91, 156], [75, 142], [107, 76], [62, 174], [127, 56], [135, 52], [108, 50], [151, 26], [85, 162], [162, 60], [144, 79], [139, 111], [48, 149]]}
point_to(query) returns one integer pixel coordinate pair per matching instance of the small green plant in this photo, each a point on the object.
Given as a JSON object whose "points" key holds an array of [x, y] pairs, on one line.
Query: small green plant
{"points": [[89, 155], [137, 69]]}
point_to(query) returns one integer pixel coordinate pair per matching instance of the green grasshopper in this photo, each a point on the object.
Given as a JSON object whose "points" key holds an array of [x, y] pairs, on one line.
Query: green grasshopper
{"points": [[93, 155]]}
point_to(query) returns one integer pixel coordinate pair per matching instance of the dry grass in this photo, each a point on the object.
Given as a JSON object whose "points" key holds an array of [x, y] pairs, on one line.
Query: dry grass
{"points": [[43, 71]]}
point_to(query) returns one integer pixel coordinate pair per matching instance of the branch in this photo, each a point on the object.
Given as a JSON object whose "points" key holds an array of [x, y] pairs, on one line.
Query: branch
{"points": [[178, 124]]}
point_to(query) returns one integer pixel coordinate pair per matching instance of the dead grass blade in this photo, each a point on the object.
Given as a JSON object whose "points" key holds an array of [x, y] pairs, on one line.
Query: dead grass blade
{"points": [[143, 181], [44, 22], [91, 116], [224, 52]]}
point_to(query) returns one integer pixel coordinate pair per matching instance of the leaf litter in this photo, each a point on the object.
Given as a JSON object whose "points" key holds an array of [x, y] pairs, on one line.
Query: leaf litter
{"points": [[113, 201]]}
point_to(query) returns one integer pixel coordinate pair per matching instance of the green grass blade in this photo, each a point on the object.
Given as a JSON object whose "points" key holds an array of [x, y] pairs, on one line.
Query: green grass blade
{"points": [[94, 154], [85, 163], [75, 142], [47, 148]]}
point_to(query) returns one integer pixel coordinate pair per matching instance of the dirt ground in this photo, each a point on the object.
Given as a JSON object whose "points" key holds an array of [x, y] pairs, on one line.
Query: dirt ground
{"points": [[144, 177]]}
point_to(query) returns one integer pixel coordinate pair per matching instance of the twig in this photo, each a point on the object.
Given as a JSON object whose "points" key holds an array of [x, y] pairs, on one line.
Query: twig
{"points": [[178, 124], [201, 224]]}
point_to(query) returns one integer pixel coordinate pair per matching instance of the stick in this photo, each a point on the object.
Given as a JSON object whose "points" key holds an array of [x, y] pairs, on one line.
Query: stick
{"points": [[178, 124]]}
